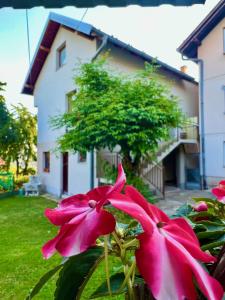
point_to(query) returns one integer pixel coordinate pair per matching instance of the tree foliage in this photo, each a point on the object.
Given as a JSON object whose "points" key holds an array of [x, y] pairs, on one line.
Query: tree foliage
{"points": [[18, 135], [110, 109], [8, 134], [26, 126]]}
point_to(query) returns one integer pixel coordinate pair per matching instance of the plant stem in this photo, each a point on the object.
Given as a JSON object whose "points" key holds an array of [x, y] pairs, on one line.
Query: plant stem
{"points": [[128, 272], [107, 264]]}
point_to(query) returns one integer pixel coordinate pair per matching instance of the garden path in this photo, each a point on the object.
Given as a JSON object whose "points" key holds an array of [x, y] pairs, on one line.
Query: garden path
{"points": [[174, 198]]}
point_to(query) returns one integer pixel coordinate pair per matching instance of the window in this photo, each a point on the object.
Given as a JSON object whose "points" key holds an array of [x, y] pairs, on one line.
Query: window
{"points": [[46, 162], [61, 56], [82, 156], [70, 98]]}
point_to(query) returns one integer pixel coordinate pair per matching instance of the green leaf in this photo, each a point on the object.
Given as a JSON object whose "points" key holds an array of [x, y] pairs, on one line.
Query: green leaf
{"points": [[116, 281], [210, 234], [183, 211], [42, 281], [76, 272], [214, 226], [216, 243], [207, 200]]}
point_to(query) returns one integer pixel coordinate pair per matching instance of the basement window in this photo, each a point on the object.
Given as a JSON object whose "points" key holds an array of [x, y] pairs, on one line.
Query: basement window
{"points": [[61, 56], [46, 161]]}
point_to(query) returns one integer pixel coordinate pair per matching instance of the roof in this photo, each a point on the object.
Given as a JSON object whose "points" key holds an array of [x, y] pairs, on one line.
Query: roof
{"points": [[52, 26], [190, 46], [93, 3]]}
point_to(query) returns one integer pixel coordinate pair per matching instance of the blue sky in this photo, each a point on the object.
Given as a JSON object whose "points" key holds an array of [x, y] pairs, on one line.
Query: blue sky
{"points": [[157, 31]]}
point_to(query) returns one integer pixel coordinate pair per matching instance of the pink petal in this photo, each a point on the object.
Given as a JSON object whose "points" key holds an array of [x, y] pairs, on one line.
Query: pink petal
{"points": [[154, 212], [80, 236], [168, 278], [208, 285], [155, 266], [59, 216], [50, 247], [222, 182], [184, 226], [78, 200], [120, 181], [124, 203], [218, 192], [137, 197], [180, 231], [99, 193]]}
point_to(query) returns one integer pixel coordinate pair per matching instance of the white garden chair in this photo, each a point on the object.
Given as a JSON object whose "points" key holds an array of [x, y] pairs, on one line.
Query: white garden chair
{"points": [[33, 187]]}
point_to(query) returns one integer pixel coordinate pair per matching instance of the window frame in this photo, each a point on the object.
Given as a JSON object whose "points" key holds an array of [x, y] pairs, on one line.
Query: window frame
{"points": [[59, 50], [82, 157], [46, 161]]}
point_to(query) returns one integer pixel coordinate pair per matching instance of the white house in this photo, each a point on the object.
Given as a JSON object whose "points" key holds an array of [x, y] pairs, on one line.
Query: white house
{"points": [[50, 80], [206, 46]]}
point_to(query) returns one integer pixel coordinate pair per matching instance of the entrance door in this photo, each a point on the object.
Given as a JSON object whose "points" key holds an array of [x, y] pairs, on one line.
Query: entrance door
{"points": [[65, 167]]}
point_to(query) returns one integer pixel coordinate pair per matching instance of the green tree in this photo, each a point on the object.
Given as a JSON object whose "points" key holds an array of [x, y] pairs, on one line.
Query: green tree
{"points": [[18, 135], [109, 109], [26, 127], [8, 133]]}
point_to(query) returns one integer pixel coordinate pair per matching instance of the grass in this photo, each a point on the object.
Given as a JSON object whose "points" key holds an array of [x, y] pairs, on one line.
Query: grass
{"points": [[23, 231]]}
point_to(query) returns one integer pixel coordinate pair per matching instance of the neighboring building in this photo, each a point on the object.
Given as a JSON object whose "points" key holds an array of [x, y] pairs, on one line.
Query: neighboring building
{"points": [[207, 43], [63, 43]]}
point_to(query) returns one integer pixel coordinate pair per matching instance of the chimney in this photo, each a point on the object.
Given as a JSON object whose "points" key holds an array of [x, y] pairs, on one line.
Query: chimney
{"points": [[184, 69]]}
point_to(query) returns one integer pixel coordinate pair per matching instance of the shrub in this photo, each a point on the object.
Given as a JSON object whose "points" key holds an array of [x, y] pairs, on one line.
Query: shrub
{"points": [[20, 180]]}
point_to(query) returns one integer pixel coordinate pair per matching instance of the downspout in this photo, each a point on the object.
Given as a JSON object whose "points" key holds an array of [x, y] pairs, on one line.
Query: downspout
{"points": [[200, 63], [92, 155]]}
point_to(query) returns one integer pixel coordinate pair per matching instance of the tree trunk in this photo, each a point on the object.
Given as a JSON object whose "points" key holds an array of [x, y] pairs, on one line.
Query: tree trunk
{"points": [[17, 167], [131, 166], [127, 162], [26, 167]]}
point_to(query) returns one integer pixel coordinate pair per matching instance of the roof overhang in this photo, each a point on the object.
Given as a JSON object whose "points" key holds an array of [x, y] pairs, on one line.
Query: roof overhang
{"points": [[52, 26], [93, 3], [189, 47]]}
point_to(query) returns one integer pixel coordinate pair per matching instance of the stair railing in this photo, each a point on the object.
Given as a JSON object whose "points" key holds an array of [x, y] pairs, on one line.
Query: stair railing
{"points": [[155, 177]]}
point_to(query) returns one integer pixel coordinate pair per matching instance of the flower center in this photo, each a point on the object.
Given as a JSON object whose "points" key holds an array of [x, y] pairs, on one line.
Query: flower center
{"points": [[92, 203], [160, 224]]}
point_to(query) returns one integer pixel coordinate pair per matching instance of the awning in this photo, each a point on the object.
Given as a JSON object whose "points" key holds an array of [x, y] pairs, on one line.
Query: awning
{"points": [[93, 3]]}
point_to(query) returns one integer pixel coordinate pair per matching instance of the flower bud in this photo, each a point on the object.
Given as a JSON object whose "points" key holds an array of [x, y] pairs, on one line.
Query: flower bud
{"points": [[201, 206]]}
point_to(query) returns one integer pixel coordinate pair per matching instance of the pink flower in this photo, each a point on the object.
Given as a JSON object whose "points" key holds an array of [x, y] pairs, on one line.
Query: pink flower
{"points": [[201, 206], [82, 219], [169, 252], [219, 191]]}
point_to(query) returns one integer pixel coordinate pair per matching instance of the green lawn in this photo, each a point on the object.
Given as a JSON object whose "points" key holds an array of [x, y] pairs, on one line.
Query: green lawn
{"points": [[23, 231]]}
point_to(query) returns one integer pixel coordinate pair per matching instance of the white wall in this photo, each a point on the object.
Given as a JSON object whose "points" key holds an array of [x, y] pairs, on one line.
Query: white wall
{"points": [[212, 53], [186, 92], [50, 98]]}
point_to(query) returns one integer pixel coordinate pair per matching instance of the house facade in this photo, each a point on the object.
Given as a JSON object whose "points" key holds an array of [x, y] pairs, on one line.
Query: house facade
{"points": [[206, 46], [63, 45]]}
